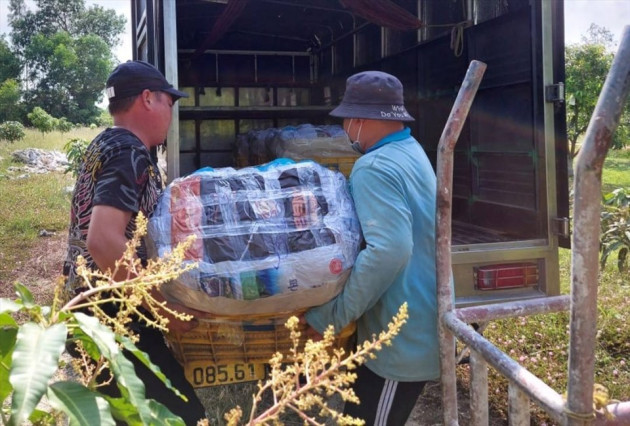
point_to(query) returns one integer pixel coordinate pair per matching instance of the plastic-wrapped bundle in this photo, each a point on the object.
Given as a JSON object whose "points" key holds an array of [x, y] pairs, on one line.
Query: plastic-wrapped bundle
{"points": [[284, 229], [242, 150], [259, 145], [309, 142]]}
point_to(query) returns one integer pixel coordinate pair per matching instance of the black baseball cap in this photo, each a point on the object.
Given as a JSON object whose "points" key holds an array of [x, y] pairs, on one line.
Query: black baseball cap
{"points": [[373, 95], [132, 77]]}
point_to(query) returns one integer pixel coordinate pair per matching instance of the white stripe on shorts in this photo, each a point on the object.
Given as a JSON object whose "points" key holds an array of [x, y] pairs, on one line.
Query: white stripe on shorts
{"points": [[385, 402]]}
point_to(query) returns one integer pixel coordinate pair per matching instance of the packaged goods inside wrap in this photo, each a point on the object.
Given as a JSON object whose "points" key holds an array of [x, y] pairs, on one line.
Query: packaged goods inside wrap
{"points": [[307, 142], [280, 229], [302, 142]]}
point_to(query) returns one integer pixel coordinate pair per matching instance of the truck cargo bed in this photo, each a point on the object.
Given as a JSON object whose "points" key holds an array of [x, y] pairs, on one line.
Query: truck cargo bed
{"points": [[464, 234]]}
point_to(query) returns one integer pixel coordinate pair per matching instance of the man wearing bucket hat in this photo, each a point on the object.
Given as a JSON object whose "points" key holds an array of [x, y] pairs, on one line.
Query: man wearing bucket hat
{"points": [[394, 190], [118, 179]]}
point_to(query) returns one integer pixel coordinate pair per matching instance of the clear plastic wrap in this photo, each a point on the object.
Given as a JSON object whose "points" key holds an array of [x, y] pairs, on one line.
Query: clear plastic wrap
{"points": [[260, 142], [283, 229], [242, 150], [309, 142], [324, 144]]}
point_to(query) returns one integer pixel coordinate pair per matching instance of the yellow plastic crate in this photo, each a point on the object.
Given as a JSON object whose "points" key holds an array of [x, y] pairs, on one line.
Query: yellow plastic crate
{"points": [[227, 350], [242, 161], [340, 164]]}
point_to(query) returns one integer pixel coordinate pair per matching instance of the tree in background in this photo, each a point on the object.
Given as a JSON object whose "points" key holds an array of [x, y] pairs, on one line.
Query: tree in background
{"points": [[71, 16], [70, 75], [587, 65], [10, 106], [66, 51], [9, 63], [10, 92]]}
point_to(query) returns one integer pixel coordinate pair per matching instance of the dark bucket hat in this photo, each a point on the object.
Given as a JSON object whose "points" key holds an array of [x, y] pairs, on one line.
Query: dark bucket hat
{"points": [[132, 77], [373, 95]]}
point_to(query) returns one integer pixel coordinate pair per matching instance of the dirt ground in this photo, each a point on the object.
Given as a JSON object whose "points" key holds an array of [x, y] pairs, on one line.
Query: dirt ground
{"points": [[40, 272]]}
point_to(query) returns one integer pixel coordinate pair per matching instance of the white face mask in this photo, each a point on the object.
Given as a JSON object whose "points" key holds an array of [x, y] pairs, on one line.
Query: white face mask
{"points": [[356, 145]]}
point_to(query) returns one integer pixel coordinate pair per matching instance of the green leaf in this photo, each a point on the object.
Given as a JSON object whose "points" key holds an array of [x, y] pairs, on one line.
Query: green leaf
{"points": [[35, 359], [608, 197], [159, 414], [603, 259], [82, 406], [25, 295], [40, 417], [614, 245], [102, 336], [7, 321], [131, 387], [88, 344], [621, 259], [8, 336], [123, 409], [163, 416], [7, 305], [7, 340], [144, 358]]}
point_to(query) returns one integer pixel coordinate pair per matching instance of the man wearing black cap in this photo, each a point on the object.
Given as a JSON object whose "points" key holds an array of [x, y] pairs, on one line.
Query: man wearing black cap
{"points": [[394, 189], [118, 179]]}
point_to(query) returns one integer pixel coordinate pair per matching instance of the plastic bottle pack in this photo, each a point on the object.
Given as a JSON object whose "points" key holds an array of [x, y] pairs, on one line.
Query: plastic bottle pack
{"points": [[261, 231]]}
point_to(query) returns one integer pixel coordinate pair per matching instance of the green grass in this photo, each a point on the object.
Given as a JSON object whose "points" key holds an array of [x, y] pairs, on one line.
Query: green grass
{"points": [[38, 202], [616, 173], [541, 342]]}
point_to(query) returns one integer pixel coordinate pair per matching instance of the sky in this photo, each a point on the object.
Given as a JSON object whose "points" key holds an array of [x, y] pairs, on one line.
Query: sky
{"points": [[579, 14], [123, 52]]}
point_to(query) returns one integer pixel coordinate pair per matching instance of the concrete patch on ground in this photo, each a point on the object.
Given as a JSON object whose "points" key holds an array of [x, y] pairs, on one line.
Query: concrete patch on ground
{"points": [[37, 161]]}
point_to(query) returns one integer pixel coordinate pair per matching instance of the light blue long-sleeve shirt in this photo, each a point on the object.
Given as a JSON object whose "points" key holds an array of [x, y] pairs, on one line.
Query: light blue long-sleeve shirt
{"points": [[394, 190]]}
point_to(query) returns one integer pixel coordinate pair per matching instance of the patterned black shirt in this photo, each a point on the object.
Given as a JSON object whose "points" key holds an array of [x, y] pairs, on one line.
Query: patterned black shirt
{"points": [[118, 171]]}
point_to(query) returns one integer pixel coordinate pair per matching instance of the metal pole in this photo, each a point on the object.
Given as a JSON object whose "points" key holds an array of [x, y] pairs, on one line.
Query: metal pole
{"points": [[518, 375], [171, 73], [479, 390], [585, 242], [518, 308], [451, 132], [620, 412], [518, 406]]}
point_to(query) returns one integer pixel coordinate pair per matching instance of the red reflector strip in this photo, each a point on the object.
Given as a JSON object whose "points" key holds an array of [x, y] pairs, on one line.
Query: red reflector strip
{"points": [[507, 275]]}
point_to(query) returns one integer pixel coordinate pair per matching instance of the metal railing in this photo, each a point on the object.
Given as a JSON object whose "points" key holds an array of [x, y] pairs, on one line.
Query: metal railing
{"points": [[523, 385]]}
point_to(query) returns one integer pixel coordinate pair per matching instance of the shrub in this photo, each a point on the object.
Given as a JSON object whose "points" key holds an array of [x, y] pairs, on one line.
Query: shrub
{"points": [[615, 222], [64, 126], [104, 119], [75, 151], [12, 131], [41, 120]]}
